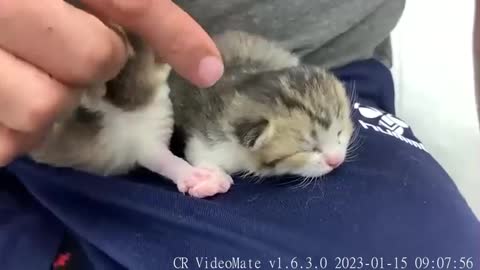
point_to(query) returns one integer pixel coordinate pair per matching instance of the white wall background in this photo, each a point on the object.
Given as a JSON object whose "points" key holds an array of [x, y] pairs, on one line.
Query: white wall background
{"points": [[435, 88]]}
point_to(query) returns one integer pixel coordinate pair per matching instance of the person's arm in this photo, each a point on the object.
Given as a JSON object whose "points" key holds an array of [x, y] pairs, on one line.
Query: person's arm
{"points": [[476, 55]]}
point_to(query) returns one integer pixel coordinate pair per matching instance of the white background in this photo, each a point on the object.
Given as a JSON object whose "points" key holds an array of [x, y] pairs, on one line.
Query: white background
{"points": [[433, 69]]}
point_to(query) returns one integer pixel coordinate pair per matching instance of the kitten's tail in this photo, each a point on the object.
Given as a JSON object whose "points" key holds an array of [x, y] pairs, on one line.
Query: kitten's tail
{"points": [[244, 49]]}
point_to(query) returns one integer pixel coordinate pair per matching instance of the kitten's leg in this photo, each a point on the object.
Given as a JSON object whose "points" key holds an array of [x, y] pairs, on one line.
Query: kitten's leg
{"points": [[201, 154], [200, 181]]}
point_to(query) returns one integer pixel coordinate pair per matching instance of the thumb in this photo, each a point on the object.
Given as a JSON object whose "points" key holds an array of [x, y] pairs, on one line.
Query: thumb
{"points": [[173, 35]]}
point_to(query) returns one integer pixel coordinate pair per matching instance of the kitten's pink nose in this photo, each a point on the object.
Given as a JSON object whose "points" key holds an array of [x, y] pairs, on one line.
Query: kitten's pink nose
{"points": [[334, 160]]}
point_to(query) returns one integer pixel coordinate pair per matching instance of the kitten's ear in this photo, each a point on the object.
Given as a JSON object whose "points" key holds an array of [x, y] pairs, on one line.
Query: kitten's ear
{"points": [[252, 133]]}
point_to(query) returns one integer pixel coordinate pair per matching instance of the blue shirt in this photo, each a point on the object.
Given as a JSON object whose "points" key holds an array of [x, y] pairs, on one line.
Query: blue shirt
{"points": [[392, 204]]}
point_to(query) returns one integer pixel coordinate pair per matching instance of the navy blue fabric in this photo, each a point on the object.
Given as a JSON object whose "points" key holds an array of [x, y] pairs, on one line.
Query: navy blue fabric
{"points": [[393, 200]]}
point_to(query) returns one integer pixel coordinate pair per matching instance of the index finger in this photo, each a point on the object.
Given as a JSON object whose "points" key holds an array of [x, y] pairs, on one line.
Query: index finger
{"points": [[173, 35]]}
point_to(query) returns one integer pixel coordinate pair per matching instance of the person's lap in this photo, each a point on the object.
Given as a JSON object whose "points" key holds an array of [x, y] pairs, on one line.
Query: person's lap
{"points": [[392, 200]]}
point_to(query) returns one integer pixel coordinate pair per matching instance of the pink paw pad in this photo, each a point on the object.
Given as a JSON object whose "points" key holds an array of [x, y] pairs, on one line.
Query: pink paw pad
{"points": [[205, 182]]}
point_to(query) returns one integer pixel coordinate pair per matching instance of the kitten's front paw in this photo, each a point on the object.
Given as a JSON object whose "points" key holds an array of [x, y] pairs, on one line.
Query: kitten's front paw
{"points": [[204, 182]]}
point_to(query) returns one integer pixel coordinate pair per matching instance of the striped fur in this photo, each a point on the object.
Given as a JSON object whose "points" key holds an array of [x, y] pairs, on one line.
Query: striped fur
{"points": [[268, 115]]}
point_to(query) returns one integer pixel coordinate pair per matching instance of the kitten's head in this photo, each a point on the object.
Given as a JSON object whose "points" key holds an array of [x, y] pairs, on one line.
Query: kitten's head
{"points": [[297, 121]]}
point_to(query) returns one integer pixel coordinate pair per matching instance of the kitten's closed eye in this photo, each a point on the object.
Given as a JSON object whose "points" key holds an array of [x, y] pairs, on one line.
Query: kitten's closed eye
{"points": [[310, 145], [273, 163]]}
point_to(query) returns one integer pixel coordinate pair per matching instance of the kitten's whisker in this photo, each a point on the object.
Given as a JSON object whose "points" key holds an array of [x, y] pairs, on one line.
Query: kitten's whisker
{"points": [[296, 183], [251, 177], [304, 183], [307, 182], [299, 186], [355, 144], [289, 182], [352, 152], [355, 134], [354, 94], [256, 178], [316, 180], [351, 155], [353, 97], [354, 147], [247, 174], [358, 144], [312, 180], [351, 159], [354, 137]]}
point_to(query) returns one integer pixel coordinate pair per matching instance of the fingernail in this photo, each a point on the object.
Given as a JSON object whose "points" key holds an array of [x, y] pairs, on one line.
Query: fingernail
{"points": [[210, 71]]}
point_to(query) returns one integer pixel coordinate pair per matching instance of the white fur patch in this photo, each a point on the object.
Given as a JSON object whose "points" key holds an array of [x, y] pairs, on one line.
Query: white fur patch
{"points": [[130, 136], [229, 156]]}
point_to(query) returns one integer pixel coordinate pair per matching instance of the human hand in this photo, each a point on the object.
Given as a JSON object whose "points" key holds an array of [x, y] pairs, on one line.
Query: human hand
{"points": [[45, 50], [174, 36]]}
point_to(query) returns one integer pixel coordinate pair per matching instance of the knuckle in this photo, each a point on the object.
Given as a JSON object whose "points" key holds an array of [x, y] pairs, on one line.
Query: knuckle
{"points": [[95, 61], [41, 111]]}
